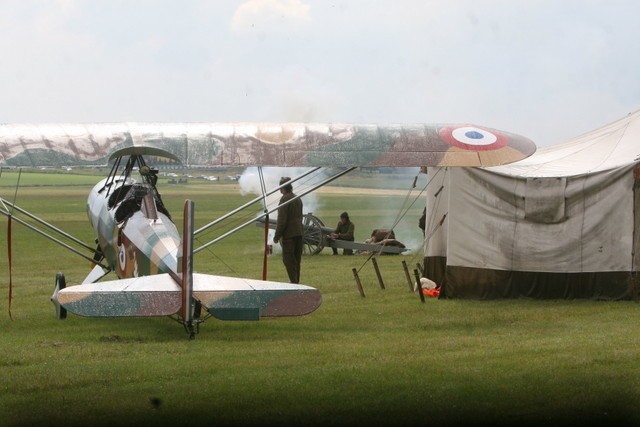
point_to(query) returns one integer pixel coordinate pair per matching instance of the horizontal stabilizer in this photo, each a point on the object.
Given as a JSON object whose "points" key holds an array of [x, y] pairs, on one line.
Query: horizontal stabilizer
{"points": [[232, 298], [226, 298], [156, 295]]}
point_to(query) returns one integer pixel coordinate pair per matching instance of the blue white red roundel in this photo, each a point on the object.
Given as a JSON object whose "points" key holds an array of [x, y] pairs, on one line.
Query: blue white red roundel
{"points": [[122, 256], [473, 138]]}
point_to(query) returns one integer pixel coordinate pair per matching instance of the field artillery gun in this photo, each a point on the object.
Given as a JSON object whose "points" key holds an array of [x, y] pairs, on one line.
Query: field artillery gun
{"points": [[315, 239]]}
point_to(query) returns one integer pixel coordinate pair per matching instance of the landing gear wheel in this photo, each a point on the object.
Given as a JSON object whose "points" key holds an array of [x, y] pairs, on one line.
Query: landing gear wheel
{"points": [[61, 312], [312, 238], [197, 309], [191, 330]]}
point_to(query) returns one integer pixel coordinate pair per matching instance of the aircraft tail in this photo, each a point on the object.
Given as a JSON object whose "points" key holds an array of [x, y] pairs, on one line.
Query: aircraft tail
{"points": [[226, 298]]}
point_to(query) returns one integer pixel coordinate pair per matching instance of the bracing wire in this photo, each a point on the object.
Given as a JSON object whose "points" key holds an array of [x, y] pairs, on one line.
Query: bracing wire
{"points": [[240, 218], [215, 255], [303, 184], [430, 230], [402, 212]]}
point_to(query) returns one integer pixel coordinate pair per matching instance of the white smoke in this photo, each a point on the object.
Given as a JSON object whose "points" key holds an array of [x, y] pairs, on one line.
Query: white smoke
{"points": [[250, 184], [401, 213], [406, 229]]}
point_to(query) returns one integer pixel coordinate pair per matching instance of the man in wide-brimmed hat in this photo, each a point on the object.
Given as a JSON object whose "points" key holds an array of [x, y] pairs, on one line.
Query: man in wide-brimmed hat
{"points": [[289, 230]]}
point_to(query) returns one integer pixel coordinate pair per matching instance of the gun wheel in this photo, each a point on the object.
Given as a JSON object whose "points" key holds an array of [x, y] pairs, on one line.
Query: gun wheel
{"points": [[312, 238]]}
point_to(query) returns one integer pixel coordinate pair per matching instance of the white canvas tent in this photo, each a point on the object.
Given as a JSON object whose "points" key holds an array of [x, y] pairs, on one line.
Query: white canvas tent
{"points": [[559, 224]]}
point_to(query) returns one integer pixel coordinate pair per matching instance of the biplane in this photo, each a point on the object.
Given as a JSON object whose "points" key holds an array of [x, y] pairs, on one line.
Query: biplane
{"points": [[137, 238]]}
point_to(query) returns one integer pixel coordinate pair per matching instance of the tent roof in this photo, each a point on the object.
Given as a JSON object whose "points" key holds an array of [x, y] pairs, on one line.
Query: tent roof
{"points": [[611, 146]]}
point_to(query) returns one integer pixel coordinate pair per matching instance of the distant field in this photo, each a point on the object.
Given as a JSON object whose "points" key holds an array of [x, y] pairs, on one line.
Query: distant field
{"points": [[401, 179], [384, 359], [40, 179]]}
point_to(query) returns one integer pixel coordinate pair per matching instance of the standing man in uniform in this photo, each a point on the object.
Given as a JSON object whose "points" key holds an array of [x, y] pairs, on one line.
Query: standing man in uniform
{"points": [[344, 231], [289, 231]]}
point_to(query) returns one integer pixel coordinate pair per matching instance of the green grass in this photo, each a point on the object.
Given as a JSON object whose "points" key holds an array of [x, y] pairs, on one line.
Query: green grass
{"points": [[384, 359]]}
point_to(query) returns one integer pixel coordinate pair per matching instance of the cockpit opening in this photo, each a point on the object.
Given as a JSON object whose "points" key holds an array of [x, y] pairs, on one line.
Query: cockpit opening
{"points": [[134, 198]]}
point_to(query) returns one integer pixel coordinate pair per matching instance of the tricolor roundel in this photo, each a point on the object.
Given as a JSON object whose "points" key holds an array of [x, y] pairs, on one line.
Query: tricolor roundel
{"points": [[473, 138]]}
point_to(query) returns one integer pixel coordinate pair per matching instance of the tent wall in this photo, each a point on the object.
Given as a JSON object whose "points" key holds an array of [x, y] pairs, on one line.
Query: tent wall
{"points": [[636, 235], [553, 237], [478, 283]]}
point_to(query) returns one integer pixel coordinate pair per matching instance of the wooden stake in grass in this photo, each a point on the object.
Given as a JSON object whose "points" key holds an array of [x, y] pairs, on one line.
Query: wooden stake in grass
{"points": [[418, 284], [407, 275], [375, 266], [355, 274], [419, 266]]}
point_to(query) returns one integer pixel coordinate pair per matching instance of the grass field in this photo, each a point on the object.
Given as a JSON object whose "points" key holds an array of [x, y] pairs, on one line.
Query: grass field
{"points": [[383, 359]]}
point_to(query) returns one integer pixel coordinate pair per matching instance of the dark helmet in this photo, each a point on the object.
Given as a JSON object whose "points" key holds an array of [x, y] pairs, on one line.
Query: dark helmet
{"points": [[344, 215]]}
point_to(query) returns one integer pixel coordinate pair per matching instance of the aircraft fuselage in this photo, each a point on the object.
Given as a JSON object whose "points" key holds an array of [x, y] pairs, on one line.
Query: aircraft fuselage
{"points": [[134, 231]]}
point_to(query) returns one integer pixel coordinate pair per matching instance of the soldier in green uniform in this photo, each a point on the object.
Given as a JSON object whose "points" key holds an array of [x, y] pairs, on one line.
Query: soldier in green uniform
{"points": [[344, 231], [289, 231]]}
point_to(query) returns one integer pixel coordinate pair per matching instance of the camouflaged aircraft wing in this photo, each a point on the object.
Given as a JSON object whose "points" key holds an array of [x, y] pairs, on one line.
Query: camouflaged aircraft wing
{"points": [[226, 298], [262, 144]]}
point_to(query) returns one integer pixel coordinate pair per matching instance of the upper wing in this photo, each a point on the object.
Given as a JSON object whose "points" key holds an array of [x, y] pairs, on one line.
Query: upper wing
{"points": [[263, 144]]}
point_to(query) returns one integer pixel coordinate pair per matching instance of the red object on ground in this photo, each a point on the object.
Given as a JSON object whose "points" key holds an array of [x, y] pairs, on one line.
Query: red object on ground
{"points": [[433, 293]]}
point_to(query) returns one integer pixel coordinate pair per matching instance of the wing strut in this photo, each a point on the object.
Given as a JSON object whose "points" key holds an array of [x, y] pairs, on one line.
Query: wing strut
{"points": [[9, 215], [266, 226], [9, 260], [186, 270]]}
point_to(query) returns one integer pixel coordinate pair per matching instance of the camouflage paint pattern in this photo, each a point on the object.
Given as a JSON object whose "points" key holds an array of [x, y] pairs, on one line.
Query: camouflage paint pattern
{"points": [[155, 295], [232, 298], [262, 144], [136, 245], [227, 298], [150, 246]]}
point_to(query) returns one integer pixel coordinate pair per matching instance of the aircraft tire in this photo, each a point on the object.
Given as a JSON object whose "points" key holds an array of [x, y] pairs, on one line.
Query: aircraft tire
{"points": [[61, 283]]}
